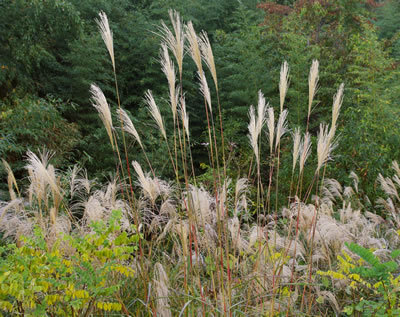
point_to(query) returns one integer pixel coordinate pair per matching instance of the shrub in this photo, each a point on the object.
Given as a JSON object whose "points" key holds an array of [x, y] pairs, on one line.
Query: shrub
{"points": [[74, 276]]}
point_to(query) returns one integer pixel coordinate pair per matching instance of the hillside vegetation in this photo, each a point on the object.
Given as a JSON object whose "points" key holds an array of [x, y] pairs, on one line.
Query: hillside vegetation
{"points": [[233, 159]]}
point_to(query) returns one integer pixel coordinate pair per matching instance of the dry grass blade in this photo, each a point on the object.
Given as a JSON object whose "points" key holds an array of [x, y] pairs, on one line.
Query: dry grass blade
{"points": [[100, 103]]}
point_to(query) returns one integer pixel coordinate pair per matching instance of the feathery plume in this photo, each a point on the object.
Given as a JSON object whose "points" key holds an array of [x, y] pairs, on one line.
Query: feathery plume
{"points": [[337, 104], [208, 56], [296, 146], [261, 112], [100, 103], [281, 127], [155, 112], [205, 91], [168, 69], [42, 172], [128, 125], [10, 180], [184, 116], [107, 35], [193, 48], [312, 83], [271, 127], [396, 168], [253, 133], [162, 284], [283, 83], [174, 42], [325, 145], [305, 150]]}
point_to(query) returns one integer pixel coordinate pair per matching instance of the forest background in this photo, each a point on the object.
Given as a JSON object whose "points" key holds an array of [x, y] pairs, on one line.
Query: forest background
{"points": [[52, 51]]}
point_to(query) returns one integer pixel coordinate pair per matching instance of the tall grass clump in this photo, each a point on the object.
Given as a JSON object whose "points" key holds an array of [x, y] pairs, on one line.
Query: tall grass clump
{"points": [[223, 249]]}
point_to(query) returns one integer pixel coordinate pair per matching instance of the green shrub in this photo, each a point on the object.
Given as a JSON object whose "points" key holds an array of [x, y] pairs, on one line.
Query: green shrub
{"points": [[73, 276]]}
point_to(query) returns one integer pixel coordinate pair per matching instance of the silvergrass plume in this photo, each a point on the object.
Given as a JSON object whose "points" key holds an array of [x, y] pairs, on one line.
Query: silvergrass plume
{"points": [[168, 69], [296, 146], [155, 112], [161, 285], [253, 133], [100, 103], [312, 83], [193, 47], [208, 56], [305, 150], [184, 116], [283, 83], [271, 127], [128, 125], [205, 91], [261, 112], [42, 172], [107, 35], [175, 42], [281, 127], [337, 104], [325, 145], [10, 180]]}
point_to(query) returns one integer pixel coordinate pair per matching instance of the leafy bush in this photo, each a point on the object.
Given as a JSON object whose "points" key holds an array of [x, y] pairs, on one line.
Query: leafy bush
{"points": [[74, 276], [373, 285]]}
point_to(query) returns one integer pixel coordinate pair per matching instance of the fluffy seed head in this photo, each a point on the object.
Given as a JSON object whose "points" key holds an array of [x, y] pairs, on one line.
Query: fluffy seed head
{"points": [[10, 180], [155, 112], [325, 146], [296, 146], [305, 150], [100, 103], [107, 35], [312, 83], [128, 125], [175, 42], [337, 104], [205, 91], [271, 127], [168, 69], [253, 133], [208, 56], [184, 117], [193, 47], [283, 83], [261, 112], [281, 127]]}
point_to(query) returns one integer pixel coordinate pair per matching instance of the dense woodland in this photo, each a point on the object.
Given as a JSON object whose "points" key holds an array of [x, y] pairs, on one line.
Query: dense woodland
{"points": [[51, 54]]}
